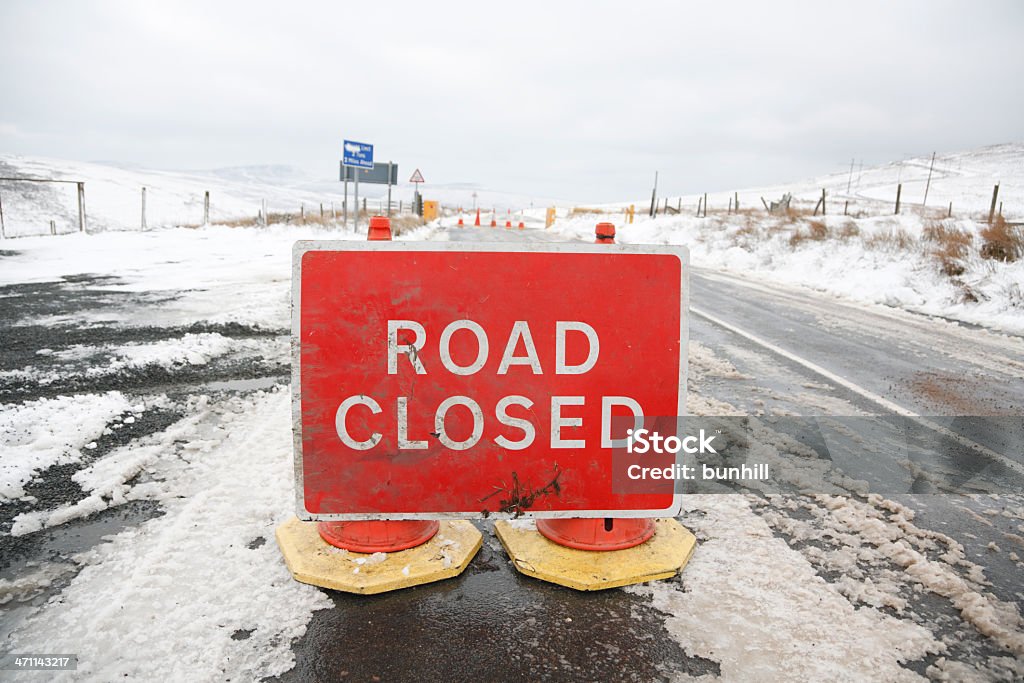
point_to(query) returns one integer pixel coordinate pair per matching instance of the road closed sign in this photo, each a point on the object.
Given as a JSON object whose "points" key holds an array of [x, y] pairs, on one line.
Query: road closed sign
{"points": [[441, 380]]}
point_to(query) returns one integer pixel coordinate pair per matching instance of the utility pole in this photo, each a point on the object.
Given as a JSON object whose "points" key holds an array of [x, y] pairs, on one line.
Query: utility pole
{"points": [[929, 183], [654, 194]]}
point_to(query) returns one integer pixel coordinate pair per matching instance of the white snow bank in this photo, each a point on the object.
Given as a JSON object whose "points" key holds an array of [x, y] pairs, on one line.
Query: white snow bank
{"points": [[191, 572], [869, 266]]}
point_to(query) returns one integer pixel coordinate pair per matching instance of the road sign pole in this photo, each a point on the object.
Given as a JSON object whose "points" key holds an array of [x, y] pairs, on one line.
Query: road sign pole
{"points": [[389, 189], [344, 204], [356, 191]]}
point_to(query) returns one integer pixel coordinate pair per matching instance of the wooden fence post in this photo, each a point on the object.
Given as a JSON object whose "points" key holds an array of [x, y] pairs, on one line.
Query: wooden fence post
{"points": [[992, 209], [846, 208], [3, 229], [143, 208], [705, 205], [81, 207], [899, 190], [823, 201], [206, 208], [737, 202], [950, 214]]}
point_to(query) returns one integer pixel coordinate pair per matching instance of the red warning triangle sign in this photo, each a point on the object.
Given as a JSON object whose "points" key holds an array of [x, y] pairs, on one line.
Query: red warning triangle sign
{"points": [[417, 177]]}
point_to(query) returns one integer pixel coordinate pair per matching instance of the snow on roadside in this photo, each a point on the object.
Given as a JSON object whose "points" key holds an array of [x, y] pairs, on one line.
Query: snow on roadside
{"points": [[51, 431], [868, 265], [195, 571], [756, 606], [748, 594], [204, 270]]}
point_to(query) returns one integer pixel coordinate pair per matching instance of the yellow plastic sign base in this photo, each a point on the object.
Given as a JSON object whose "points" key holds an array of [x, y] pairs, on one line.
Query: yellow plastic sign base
{"points": [[314, 561], [661, 557]]}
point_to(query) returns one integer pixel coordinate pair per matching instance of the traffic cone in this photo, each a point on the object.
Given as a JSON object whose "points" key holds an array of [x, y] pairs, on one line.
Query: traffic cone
{"points": [[508, 224], [386, 536], [521, 225], [380, 229], [460, 221], [598, 534], [477, 222], [604, 233], [494, 222], [595, 554]]}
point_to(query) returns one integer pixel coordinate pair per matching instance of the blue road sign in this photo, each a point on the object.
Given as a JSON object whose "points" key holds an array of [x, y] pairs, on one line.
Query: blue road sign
{"points": [[358, 154]]}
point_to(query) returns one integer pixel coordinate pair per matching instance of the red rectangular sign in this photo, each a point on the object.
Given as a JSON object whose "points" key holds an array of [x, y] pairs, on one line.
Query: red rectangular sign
{"points": [[466, 380]]}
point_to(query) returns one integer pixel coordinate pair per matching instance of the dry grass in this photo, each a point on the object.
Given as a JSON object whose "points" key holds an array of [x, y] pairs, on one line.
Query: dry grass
{"points": [[892, 238], [589, 211], [816, 231], [951, 246], [1001, 241], [848, 231], [399, 224]]}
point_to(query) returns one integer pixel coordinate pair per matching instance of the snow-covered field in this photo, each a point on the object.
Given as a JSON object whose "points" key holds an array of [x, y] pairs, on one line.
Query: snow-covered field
{"points": [[882, 260]]}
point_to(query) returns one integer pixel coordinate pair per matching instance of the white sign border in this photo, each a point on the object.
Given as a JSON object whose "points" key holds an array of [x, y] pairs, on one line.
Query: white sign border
{"points": [[301, 247]]}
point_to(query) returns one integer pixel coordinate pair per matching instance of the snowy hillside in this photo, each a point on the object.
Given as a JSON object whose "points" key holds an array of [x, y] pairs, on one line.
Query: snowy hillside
{"points": [[964, 178], [113, 195]]}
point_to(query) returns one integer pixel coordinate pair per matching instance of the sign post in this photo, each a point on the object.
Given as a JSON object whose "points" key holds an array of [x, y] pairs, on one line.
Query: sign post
{"points": [[357, 155], [417, 202]]}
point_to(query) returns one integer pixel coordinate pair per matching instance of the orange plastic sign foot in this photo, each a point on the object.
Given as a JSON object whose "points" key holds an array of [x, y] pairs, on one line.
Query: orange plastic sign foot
{"points": [[597, 534], [660, 557], [311, 560], [385, 536]]}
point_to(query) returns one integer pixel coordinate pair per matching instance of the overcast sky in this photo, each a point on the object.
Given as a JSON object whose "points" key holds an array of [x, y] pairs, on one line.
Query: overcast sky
{"points": [[579, 101]]}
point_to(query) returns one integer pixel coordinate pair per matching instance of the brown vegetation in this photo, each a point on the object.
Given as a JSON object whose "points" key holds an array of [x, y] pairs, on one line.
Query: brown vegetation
{"points": [[951, 246], [1002, 241], [816, 231]]}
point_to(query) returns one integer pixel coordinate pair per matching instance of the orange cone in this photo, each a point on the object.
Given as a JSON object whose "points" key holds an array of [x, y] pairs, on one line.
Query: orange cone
{"points": [[378, 536], [477, 223], [521, 226], [380, 229], [460, 221], [610, 533], [604, 233], [385, 536]]}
